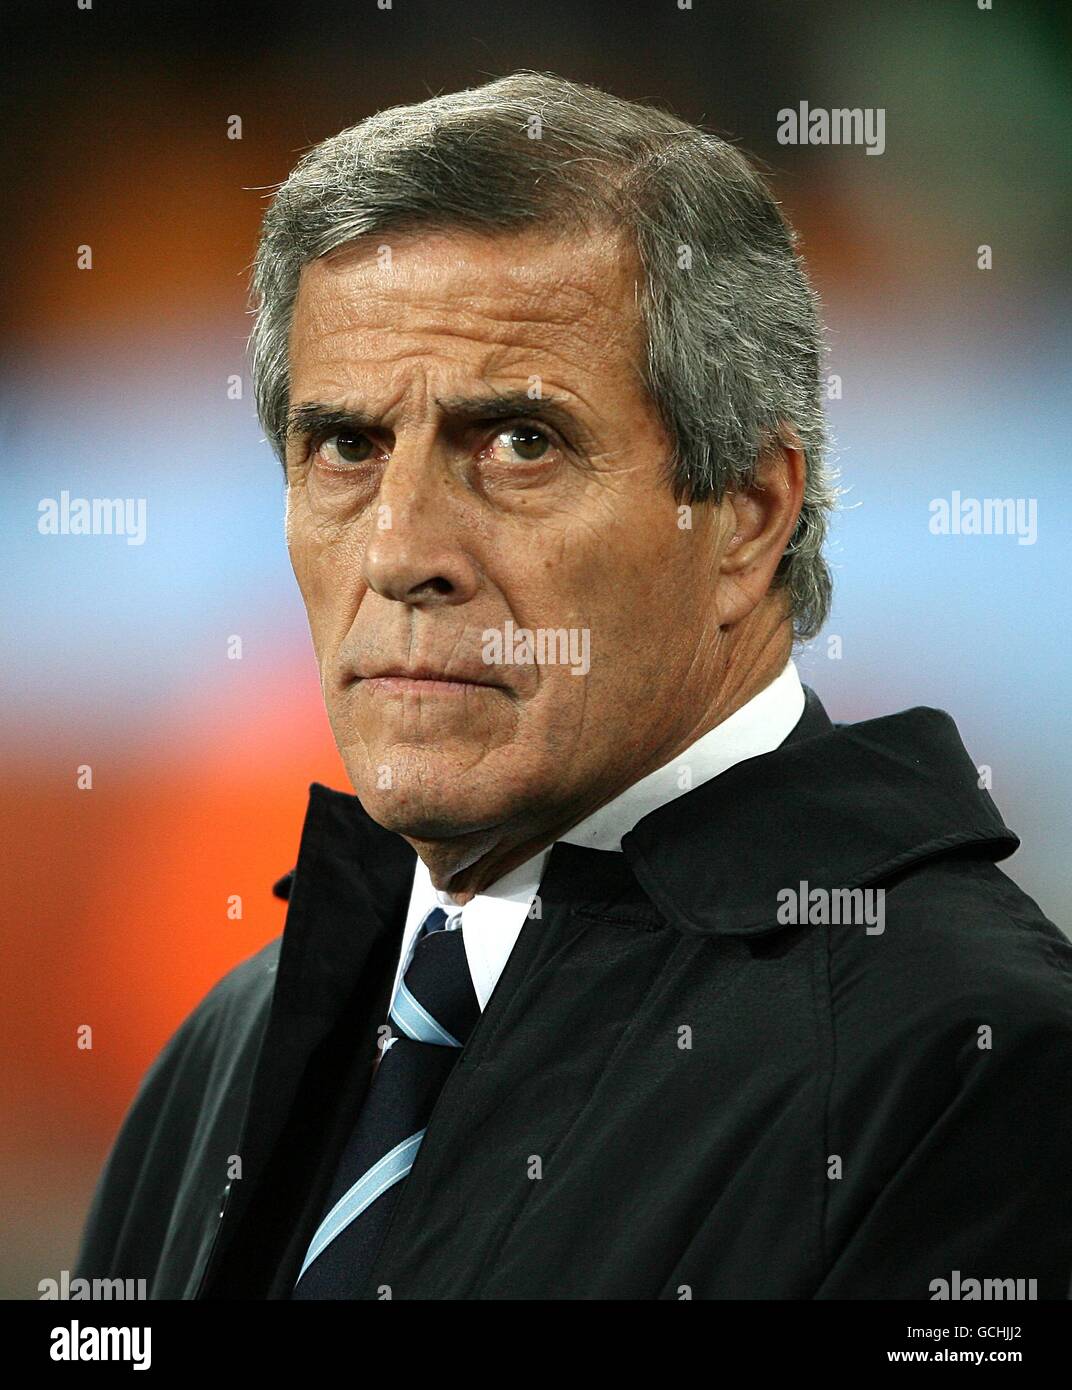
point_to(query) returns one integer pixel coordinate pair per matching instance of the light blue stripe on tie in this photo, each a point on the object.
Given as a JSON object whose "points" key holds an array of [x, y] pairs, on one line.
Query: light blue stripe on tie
{"points": [[416, 1022], [391, 1168]]}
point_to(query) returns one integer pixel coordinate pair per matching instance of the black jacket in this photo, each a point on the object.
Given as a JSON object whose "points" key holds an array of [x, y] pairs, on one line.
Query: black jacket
{"points": [[671, 1093]]}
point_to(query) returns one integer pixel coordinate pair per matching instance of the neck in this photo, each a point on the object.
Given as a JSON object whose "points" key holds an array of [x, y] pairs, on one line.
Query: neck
{"points": [[467, 865]]}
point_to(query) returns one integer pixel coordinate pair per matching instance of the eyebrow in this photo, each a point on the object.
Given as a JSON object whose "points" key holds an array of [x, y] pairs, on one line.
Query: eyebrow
{"points": [[314, 418]]}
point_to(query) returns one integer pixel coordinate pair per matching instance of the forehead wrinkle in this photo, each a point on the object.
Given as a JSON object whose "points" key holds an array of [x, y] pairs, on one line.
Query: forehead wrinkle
{"points": [[504, 324], [569, 391], [542, 354], [525, 294]]}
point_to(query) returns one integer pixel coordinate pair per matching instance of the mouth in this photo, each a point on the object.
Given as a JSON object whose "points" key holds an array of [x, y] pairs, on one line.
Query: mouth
{"points": [[424, 682]]}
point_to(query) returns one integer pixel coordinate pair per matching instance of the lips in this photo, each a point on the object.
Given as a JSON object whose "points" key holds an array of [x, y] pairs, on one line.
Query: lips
{"points": [[427, 675], [426, 682]]}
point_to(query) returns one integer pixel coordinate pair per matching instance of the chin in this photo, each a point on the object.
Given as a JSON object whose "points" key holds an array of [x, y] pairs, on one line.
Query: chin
{"points": [[427, 795]]}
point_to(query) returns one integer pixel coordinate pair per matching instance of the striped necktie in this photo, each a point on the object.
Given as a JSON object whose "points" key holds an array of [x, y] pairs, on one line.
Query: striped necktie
{"points": [[435, 1009]]}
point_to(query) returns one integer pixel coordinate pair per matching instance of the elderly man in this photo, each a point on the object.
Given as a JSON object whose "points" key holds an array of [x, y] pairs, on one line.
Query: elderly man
{"points": [[626, 973]]}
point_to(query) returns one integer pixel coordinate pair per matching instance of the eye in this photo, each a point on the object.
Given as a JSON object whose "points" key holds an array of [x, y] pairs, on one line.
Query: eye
{"points": [[345, 447], [526, 442]]}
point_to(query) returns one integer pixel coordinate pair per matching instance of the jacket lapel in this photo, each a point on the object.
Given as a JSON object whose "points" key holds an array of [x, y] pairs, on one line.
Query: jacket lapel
{"points": [[347, 903]]}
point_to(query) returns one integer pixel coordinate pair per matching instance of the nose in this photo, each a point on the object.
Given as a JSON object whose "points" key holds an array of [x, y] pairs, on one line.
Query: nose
{"points": [[415, 553]]}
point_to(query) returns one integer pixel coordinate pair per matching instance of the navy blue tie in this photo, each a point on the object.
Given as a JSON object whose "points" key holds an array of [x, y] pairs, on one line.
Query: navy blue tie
{"points": [[434, 1011]]}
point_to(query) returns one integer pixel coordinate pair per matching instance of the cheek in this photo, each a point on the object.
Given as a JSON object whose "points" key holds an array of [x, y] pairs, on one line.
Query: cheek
{"points": [[327, 567], [324, 611], [309, 585]]}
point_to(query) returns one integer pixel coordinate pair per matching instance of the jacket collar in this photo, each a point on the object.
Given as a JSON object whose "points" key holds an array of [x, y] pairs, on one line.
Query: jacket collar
{"points": [[835, 805]]}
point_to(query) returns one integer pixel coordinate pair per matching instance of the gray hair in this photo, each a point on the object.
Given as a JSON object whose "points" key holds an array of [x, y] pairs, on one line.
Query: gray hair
{"points": [[734, 340]]}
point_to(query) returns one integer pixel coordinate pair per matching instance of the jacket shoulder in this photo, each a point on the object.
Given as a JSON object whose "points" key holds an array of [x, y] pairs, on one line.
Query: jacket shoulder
{"points": [[243, 991], [963, 954], [230, 1015], [959, 933], [192, 1094]]}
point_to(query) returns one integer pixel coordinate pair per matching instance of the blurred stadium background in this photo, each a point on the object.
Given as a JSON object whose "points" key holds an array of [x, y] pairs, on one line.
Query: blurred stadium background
{"points": [[115, 384]]}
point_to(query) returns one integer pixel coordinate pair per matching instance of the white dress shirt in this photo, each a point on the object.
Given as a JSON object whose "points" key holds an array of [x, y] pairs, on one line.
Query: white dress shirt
{"points": [[493, 919]]}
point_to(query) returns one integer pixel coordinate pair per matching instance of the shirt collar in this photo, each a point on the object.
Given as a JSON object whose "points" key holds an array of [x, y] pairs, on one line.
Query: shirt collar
{"points": [[760, 725]]}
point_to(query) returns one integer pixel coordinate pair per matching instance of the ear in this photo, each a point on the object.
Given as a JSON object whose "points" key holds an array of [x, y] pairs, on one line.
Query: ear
{"points": [[760, 520]]}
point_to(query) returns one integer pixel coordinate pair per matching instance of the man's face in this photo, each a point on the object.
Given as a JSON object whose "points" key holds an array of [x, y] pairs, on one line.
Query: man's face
{"points": [[439, 525]]}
